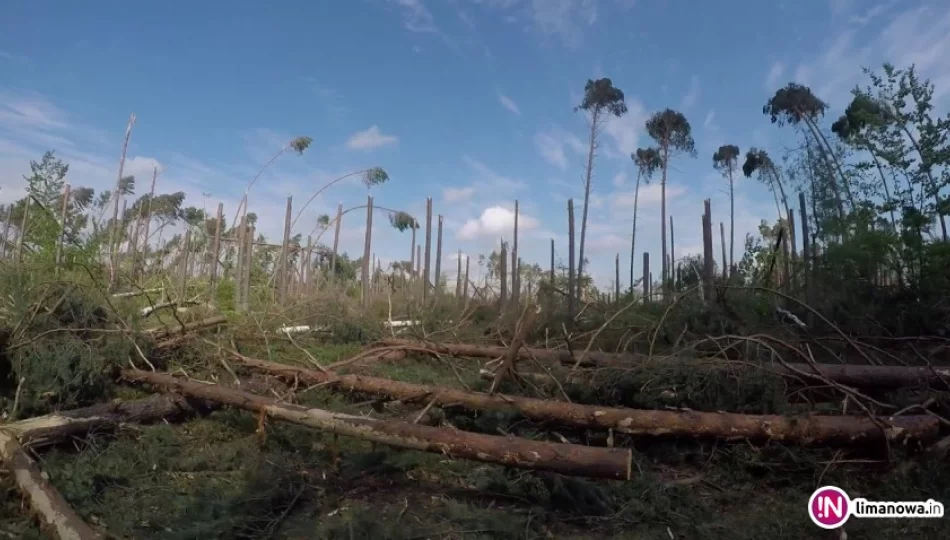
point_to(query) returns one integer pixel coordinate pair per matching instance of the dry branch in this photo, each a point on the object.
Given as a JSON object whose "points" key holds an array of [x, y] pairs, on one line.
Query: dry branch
{"points": [[189, 327], [861, 376], [803, 430], [566, 459], [47, 503]]}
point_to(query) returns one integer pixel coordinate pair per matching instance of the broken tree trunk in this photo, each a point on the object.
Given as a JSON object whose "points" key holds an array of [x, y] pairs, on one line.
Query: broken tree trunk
{"points": [[861, 376], [189, 327], [517, 452], [47, 503], [58, 427], [802, 430]]}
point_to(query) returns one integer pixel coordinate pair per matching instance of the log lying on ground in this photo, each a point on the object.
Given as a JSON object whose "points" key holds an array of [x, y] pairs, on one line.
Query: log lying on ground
{"points": [[47, 503], [58, 427], [189, 327], [800, 430], [568, 459], [848, 374]]}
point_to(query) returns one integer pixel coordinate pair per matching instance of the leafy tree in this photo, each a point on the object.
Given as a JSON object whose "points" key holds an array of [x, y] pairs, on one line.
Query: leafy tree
{"points": [[904, 105], [758, 160], [725, 160], [647, 160], [601, 100], [673, 134]]}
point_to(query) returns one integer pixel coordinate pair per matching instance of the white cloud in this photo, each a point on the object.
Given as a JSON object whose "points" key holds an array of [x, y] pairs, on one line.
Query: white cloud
{"points": [[457, 194], [773, 79], [416, 17], [650, 194], [370, 139], [509, 104], [552, 144], [918, 36], [708, 122], [692, 96], [495, 221], [625, 130], [620, 179]]}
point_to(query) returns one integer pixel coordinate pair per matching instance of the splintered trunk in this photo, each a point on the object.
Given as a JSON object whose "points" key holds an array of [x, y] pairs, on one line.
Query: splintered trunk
{"points": [[732, 221], [813, 429], [572, 291], [569, 459]]}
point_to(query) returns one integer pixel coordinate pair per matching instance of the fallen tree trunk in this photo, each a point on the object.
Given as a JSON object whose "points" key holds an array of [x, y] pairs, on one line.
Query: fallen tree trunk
{"points": [[568, 459], [47, 503], [58, 427], [188, 327], [801, 430], [860, 376]]}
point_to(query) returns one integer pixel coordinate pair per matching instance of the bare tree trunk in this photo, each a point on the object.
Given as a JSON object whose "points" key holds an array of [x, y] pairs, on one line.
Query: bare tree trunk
{"points": [[666, 160], [708, 262], [646, 278], [367, 251], [336, 240], [216, 250], [573, 292], [437, 283], [515, 263], [23, 225], [428, 252], [283, 266], [569, 459], [722, 244], [503, 274], [147, 217], [113, 255], [468, 261], [588, 178]]}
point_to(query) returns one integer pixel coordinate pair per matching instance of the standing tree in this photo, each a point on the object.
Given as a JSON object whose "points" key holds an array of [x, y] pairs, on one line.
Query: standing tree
{"points": [[648, 160], [904, 105], [672, 133], [725, 161], [758, 160], [601, 99], [796, 105]]}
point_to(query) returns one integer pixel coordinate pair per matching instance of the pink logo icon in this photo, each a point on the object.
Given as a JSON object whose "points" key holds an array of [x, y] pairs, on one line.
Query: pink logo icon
{"points": [[829, 507]]}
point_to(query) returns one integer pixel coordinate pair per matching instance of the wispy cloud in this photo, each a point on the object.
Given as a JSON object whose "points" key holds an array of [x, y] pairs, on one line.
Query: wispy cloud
{"points": [[458, 194], [773, 79], [370, 139], [692, 95], [508, 103], [551, 144], [625, 131], [709, 121]]}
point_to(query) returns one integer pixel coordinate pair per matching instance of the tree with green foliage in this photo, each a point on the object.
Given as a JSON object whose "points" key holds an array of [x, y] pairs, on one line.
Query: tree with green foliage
{"points": [[725, 160], [648, 161], [796, 105], [673, 134], [601, 100], [758, 161]]}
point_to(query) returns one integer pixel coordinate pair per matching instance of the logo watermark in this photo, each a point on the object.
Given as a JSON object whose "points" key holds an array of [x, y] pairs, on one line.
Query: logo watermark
{"points": [[830, 507]]}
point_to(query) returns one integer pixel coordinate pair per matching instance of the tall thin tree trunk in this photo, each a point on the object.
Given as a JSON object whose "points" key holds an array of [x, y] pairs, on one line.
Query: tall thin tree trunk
{"points": [[587, 183], [113, 255], [633, 233], [572, 291], [732, 220], [666, 160]]}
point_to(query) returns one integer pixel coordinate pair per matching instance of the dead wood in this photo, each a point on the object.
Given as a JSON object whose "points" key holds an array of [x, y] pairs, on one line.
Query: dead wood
{"points": [[208, 322], [568, 459], [860, 376], [60, 426], [49, 506], [800, 430]]}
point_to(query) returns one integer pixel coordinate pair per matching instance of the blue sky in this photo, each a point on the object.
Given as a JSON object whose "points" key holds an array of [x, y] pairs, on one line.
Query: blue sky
{"points": [[465, 101]]}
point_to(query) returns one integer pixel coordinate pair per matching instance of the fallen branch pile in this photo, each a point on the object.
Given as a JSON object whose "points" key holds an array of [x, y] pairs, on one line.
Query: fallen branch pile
{"points": [[860, 376]]}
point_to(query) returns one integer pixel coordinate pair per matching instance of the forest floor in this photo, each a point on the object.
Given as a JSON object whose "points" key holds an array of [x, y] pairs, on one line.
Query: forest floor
{"points": [[228, 475]]}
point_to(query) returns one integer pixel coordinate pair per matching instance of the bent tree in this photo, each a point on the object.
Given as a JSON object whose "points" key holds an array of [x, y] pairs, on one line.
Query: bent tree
{"points": [[601, 99], [796, 105], [673, 134]]}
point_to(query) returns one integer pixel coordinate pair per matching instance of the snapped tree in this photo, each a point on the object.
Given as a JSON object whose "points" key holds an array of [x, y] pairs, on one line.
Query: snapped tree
{"points": [[725, 161]]}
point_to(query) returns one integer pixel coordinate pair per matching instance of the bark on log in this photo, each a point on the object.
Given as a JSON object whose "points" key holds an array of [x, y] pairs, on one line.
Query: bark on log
{"points": [[189, 327], [568, 459], [800, 430], [47, 503], [859, 376], [58, 427]]}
